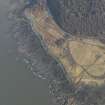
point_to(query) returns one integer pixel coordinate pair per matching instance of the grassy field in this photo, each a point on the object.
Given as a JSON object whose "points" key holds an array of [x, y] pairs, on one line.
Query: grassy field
{"points": [[83, 59]]}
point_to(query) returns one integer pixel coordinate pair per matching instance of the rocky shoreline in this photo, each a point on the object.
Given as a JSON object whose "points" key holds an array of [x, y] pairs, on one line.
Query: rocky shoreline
{"points": [[62, 99]]}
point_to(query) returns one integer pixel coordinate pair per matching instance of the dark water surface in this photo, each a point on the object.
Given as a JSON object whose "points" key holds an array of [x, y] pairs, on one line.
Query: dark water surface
{"points": [[18, 86]]}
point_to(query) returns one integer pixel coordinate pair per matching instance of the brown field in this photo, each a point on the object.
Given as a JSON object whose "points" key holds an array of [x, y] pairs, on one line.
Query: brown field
{"points": [[83, 59]]}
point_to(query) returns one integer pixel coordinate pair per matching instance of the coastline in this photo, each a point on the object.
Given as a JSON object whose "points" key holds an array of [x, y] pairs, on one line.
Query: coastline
{"points": [[50, 33]]}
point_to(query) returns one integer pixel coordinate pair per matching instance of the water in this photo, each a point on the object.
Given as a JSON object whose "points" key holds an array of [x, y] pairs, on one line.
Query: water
{"points": [[18, 85], [28, 75], [26, 69]]}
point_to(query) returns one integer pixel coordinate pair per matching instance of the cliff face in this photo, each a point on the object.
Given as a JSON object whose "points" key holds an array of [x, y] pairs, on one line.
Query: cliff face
{"points": [[79, 16]]}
